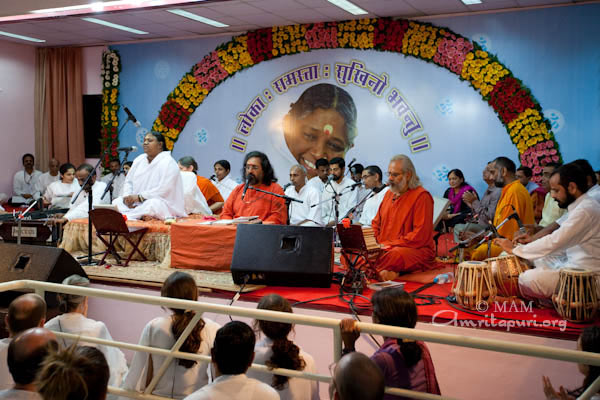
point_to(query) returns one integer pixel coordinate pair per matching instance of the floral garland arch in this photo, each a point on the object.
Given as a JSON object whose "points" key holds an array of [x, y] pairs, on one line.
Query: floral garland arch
{"points": [[111, 68], [518, 110]]}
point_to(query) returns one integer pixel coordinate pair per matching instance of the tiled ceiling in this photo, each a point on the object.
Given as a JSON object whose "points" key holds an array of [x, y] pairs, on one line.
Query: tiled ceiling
{"points": [[240, 15]]}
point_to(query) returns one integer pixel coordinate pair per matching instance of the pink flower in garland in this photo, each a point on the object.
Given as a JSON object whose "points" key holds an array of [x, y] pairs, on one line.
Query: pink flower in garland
{"points": [[209, 72], [451, 52]]}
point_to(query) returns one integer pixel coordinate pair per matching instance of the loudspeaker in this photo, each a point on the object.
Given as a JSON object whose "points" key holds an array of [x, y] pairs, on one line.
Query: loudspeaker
{"points": [[282, 255], [38, 263]]}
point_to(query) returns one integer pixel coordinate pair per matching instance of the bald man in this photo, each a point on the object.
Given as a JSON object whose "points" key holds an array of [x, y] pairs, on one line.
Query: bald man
{"points": [[25, 356], [303, 213], [47, 178], [356, 377], [25, 312]]}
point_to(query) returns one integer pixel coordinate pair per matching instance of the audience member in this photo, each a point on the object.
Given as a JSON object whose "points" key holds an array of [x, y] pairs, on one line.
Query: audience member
{"points": [[195, 202], [232, 355], [115, 170], [320, 179], [75, 321], [276, 350], [25, 312], [458, 209], [372, 178], [58, 194], [405, 363], [24, 359], [47, 178], [224, 182], [589, 341], [153, 187], [209, 191], [182, 377], [307, 213], [338, 184], [78, 372], [356, 377], [538, 193], [25, 182]]}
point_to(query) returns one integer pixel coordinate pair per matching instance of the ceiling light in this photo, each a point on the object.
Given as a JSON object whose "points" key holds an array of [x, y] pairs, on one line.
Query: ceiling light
{"points": [[469, 2], [115, 26], [347, 6], [30, 39], [198, 18]]}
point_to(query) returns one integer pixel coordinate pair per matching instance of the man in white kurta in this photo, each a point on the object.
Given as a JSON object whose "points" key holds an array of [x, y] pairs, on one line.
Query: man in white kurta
{"points": [[158, 187], [372, 180], [195, 202], [80, 208], [118, 182], [25, 182], [576, 243], [319, 181], [48, 177], [303, 213], [343, 189]]}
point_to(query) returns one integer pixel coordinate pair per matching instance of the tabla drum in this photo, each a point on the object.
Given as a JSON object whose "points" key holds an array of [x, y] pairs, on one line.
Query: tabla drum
{"points": [[474, 287], [576, 295], [506, 271]]}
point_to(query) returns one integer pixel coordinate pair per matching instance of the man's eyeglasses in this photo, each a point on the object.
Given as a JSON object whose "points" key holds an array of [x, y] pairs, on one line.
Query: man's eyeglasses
{"points": [[251, 167]]}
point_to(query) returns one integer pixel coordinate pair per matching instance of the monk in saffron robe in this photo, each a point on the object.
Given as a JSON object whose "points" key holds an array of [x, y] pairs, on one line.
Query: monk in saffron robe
{"points": [[514, 198], [404, 223], [259, 173]]}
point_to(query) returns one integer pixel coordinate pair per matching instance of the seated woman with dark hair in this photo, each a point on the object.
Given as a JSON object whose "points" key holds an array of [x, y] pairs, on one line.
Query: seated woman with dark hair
{"points": [[277, 351], [405, 363], [458, 209]]}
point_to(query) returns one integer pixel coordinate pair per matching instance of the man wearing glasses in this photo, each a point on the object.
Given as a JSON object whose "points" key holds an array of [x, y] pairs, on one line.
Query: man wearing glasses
{"points": [[244, 201]]}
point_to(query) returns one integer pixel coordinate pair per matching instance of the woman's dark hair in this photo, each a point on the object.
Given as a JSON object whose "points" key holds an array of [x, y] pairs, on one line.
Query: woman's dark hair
{"points": [[180, 285], [285, 353], [223, 163], [65, 167], [375, 170], [268, 172], [160, 138], [128, 163], [458, 173], [590, 341], [395, 307], [75, 373], [326, 96]]}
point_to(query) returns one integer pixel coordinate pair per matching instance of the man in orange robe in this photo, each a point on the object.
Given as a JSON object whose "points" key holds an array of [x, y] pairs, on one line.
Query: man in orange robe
{"points": [[404, 223], [209, 191], [514, 198], [259, 173]]}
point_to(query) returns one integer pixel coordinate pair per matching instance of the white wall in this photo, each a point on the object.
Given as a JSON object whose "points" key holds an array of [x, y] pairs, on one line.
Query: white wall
{"points": [[92, 59], [17, 78]]}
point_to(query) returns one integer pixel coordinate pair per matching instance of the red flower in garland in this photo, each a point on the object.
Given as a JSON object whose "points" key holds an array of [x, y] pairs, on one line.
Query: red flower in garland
{"points": [[173, 115], [322, 36], [388, 34], [509, 99], [260, 45]]}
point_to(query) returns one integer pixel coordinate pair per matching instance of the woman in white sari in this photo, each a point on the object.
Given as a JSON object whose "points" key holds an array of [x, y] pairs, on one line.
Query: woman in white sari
{"points": [[58, 194]]}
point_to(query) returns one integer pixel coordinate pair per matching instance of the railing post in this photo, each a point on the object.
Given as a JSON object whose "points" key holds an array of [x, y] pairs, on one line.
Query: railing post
{"points": [[40, 292], [591, 390], [337, 343]]}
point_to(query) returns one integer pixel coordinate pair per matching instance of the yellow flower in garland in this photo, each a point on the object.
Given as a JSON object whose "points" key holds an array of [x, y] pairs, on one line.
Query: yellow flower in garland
{"points": [[482, 72], [159, 127], [289, 39], [355, 34], [528, 129], [235, 56], [421, 40]]}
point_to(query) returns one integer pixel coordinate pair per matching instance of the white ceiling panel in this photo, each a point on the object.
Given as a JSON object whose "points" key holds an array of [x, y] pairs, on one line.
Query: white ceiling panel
{"points": [[389, 8], [267, 19]]}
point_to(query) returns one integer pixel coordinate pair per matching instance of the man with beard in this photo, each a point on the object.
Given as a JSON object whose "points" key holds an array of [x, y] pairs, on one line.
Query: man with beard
{"points": [[514, 198], [576, 243], [342, 186], [245, 202], [404, 222]]}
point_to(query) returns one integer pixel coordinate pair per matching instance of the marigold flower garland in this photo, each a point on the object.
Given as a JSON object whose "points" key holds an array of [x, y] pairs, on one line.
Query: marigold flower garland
{"points": [[110, 70]]}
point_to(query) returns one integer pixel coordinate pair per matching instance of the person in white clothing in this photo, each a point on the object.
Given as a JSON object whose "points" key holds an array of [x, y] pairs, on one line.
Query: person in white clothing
{"points": [[182, 377], [343, 189], [58, 194], [232, 355], [373, 181], [195, 202], [319, 181], [25, 312], [224, 182], [576, 243], [277, 351], [117, 183], [75, 321], [153, 187], [48, 177], [25, 182], [307, 213]]}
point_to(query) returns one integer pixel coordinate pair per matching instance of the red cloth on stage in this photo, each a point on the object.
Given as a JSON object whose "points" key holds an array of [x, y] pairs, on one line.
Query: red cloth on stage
{"points": [[270, 209], [210, 191], [406, 224]]}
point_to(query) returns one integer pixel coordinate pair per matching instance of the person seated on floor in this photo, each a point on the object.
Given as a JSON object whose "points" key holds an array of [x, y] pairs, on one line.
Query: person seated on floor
{"points": [[58, 194], [182, 377], [319, 181], [78, 372], [153, 187], [307, 213], [372, 178], [224, 182], [25, 312], [356, 171], [195, 203], [114, 167], [246, 202], [356, 377], [576, 243], [277, 351], [537, 192], [513, 199], [24, 360], [589, 341], [404, 222], [341, 185], [25, 182], [405, 363], [48, 177], [75, 321], [232, 355], [458, 209], [209, 191], [126, 167], [598, 176]]}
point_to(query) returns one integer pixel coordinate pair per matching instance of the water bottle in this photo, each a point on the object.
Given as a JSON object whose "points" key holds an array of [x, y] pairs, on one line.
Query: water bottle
{"points": [[444, 278]]}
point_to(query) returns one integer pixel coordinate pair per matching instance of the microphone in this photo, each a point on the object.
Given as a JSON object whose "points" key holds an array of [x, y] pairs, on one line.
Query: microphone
{"points": [[355, 185], [515, 216], [287, 185], [330, 178], [212, 177], [246, 186], [351, 163], [127, 149], [131, 117]]}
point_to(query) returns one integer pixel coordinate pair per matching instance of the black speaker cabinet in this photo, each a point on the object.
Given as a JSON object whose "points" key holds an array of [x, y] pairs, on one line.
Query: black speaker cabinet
{"points": [[282, 255], [38, 263]]}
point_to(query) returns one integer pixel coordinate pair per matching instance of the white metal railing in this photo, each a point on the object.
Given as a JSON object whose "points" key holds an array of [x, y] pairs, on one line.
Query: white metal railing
{"points": [[330, 323]]}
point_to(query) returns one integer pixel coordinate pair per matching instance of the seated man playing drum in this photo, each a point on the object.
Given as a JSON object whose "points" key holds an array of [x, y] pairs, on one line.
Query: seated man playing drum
{"points": [[575, 244]]}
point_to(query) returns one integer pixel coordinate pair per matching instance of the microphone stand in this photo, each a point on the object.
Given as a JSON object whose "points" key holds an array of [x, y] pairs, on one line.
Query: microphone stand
{"points": [[360, 203], [109, 187], [20, 218], [287, 199]]}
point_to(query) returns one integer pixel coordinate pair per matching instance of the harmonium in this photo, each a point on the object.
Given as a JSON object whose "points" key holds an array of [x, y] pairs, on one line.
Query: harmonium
{"points": [[33, 231]]}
